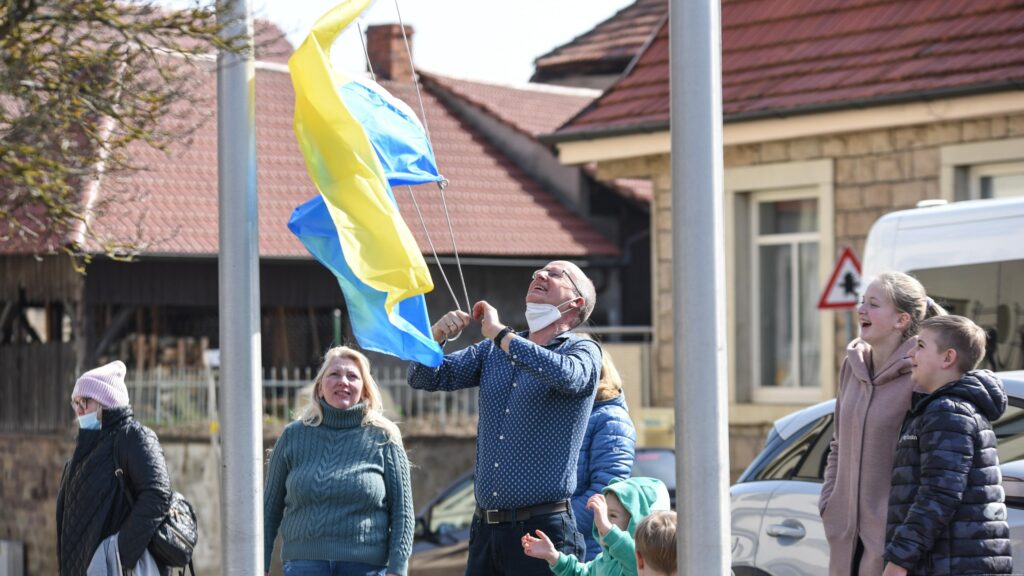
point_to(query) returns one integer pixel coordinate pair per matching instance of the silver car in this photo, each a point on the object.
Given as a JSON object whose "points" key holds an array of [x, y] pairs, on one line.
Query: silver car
{"points": [[776, 529]]}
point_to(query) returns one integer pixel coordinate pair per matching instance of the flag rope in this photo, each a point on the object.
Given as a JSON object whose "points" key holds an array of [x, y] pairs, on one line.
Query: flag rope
{"points": [[440, 186]]}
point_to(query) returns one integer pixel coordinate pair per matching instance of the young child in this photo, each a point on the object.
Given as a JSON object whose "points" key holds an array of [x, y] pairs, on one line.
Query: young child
{"points": [[617, 511], [946, 513], [656, 545]]}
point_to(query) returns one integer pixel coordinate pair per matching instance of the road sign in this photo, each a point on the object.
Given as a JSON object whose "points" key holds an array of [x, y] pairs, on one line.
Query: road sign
{"points": [[842, 288]]}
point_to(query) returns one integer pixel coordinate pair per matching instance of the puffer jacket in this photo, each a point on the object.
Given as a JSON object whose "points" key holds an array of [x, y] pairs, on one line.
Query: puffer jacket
{"points": [[91, 504], [946, 512], [609, 446]]}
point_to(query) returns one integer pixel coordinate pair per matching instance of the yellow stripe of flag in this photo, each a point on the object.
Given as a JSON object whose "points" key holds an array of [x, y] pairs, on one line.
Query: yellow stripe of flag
{"points": [[378, 246]]}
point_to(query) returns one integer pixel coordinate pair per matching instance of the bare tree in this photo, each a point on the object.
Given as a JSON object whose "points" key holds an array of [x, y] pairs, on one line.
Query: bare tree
{"points": [[82, 82]]}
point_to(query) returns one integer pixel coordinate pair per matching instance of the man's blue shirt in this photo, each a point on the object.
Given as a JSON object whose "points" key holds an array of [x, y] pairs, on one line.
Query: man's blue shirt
{"points": [[534, 406]]}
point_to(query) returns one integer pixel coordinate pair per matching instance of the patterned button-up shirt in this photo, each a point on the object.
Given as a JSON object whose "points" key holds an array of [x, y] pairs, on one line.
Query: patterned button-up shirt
{"points": [[534, 405]]}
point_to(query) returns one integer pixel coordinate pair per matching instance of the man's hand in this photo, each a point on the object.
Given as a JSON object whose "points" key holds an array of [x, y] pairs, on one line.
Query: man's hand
{"points": [[892, 569], [541, 548], [599, 506], [450, 325], [490, 325]]}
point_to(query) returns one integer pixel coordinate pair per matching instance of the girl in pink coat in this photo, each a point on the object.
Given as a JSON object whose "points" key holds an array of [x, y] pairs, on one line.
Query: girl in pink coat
{"points": [[874, 396]]}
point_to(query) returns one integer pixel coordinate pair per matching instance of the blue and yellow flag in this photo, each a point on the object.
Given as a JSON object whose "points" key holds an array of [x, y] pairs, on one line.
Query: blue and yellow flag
{"points": [[356, 137]]}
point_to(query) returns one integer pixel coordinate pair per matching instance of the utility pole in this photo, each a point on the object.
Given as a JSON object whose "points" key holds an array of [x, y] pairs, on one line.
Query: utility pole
{"points": [[701, 393], [241, 397]]}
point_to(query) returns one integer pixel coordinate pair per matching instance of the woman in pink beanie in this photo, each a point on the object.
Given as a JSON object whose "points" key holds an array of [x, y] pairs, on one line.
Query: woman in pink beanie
{"points": [[91, 505]]}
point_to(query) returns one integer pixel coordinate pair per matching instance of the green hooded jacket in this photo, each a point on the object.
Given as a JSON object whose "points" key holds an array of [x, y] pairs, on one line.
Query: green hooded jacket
{"points": [[640, 497]]}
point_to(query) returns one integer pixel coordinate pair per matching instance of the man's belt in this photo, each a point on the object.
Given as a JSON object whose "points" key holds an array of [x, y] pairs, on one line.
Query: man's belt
{"points": [[521, 514]]}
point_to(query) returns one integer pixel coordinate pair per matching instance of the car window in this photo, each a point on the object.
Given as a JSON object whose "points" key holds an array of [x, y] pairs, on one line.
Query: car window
{"points": [[454, 511], [1010, 433], [812, 469], [655, 463], [789, 456]]}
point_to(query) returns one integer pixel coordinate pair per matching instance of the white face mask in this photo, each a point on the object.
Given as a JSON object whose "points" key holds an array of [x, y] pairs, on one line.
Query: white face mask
{"points": [[89, 421], [540, 316]]}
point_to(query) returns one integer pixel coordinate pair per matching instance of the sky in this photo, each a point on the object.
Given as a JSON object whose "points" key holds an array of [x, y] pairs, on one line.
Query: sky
{"points": [[473, 39]]}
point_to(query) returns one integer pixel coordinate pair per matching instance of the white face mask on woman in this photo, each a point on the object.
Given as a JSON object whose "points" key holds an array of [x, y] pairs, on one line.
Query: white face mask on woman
{"points": [[540, 316], [89, 421]]}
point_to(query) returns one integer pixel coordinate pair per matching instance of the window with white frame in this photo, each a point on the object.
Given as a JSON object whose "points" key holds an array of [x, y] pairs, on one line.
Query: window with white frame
{"points": [[778, 253], [999, 180], [786, 242], [983, 170]]}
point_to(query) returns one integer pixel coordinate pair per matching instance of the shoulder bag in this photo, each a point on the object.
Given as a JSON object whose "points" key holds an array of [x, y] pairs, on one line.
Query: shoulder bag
{"points": [[175, 540]]}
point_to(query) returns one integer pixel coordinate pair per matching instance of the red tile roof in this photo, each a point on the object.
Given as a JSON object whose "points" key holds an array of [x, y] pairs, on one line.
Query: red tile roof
{"points": [[634, 188], [802, 56], [270, 42], [533, 109], [608, 47], [495, 207]]}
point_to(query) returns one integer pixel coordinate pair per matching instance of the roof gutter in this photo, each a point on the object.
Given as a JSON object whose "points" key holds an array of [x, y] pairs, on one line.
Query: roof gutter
{"points": [[908, 97], [645, 128]]}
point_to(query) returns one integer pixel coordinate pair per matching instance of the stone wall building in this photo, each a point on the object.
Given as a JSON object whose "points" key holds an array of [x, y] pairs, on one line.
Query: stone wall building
{"points": [[833, 116]]}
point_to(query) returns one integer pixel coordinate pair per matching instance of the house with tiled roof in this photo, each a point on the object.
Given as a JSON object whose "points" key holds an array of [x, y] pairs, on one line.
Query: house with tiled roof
{"points": [[835, 113], [596, 58], [512, 206]]}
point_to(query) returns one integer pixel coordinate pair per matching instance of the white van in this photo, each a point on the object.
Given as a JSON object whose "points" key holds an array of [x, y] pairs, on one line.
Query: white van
{"points": [[970, 258]]}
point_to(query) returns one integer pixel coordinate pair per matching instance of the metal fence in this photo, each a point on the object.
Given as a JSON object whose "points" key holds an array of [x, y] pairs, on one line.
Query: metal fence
{"points": [[186, 397]]}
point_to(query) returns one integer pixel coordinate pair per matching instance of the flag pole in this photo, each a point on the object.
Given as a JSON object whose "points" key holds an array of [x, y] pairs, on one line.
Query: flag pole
{"points": [[701, 378], [241, 488]]}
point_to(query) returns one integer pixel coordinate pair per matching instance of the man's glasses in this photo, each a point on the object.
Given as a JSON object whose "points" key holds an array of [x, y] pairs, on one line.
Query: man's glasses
{"points": [[557, 275], [82, 403]]}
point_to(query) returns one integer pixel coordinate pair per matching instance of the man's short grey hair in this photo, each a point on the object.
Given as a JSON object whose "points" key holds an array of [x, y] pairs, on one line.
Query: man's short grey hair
{"points": [[589, 294]]}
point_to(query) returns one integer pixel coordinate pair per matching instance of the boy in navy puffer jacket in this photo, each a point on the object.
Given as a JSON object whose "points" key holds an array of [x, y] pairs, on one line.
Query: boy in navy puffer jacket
{"points": [[946, 512]]}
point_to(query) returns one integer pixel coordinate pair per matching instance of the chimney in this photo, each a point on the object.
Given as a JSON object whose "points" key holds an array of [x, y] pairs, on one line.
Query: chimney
{"points": [[386, 47]]}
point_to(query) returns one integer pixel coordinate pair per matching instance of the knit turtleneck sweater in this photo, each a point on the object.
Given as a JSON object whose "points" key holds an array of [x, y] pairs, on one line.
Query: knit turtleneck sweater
{"points": [[339, 491]]}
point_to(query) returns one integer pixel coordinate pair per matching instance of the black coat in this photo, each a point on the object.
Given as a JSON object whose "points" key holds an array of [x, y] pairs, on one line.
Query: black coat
{"points": [[91, 505], [946, 512]]}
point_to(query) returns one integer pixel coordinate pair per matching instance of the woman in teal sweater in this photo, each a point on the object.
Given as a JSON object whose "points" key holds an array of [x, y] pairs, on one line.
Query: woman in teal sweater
{"points": [[338, 484]]}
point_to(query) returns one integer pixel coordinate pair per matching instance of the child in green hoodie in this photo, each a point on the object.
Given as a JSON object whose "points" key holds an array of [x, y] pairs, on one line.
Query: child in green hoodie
{"points": [[617, 511]]}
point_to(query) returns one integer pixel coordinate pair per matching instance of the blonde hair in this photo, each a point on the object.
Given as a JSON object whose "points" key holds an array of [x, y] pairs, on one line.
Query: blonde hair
{"points": [[907, 295], [610, 385], [656, 541], [373, 408]]}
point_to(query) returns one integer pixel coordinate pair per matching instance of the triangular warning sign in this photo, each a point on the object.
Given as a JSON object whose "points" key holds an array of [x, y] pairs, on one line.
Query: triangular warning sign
{"points": [[842, 290]]}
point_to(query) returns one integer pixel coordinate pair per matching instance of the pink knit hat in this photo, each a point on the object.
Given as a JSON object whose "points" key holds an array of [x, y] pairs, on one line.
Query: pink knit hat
{"points": [[104, 385]]}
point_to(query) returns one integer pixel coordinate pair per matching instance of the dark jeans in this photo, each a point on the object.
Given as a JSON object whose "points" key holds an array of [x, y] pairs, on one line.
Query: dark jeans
{"points": [[497, 549], [330, 568]]}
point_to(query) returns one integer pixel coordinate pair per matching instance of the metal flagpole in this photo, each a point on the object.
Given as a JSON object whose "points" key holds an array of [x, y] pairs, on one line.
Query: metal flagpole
{"points": [[240, 374], [702, 469]]}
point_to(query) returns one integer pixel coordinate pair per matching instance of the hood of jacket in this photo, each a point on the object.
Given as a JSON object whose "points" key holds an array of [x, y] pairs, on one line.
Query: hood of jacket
{"points": [[639, 496], [619, 401], [979, 387], [858, 354]]}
